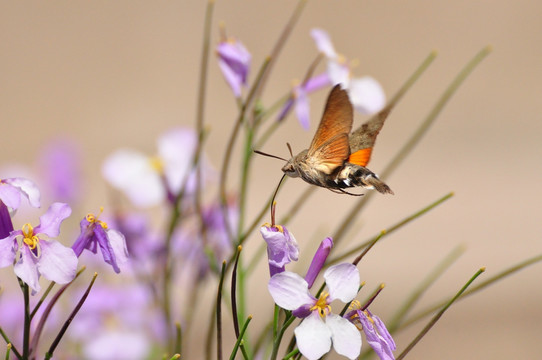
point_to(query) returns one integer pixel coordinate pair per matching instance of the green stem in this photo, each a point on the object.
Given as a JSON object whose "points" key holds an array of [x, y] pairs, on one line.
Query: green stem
{"points": [[27, 321], [434, 320], [240, 338], [276, 345]]}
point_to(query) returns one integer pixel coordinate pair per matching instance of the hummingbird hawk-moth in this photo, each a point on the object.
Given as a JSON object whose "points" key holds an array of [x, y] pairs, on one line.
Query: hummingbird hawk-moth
{"points": [[336, 159]]}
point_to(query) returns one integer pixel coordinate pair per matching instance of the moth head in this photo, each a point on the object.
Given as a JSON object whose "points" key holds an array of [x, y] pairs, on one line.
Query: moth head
{"points": [[290, 169]]}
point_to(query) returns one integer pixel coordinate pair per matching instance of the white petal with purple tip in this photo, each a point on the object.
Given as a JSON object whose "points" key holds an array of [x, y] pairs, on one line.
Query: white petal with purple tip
{"points": [[28, 188], [289, 290], [323, 42], [342, 281]]}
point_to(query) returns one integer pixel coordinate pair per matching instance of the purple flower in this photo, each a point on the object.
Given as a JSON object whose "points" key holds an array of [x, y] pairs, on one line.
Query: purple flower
{"points": [[375, 331], [11, 191], [94, 233], [318, 260], [281, 247], [32, 254], [320, 328], [148, 181], [6, 226], [234, 61]]}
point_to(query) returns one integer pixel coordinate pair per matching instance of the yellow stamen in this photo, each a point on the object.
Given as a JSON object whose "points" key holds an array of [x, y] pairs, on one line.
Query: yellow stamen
{"points": [[29, 238], [278, 227], [157, 164], [91, 218], [322, 305]]}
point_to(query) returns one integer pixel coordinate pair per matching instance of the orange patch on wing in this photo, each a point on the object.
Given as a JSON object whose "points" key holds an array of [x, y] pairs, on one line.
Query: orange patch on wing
{"points": [[361, 157]]}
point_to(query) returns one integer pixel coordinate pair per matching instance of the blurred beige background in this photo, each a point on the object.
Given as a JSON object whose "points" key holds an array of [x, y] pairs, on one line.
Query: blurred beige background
{"points": [[119, 73]]}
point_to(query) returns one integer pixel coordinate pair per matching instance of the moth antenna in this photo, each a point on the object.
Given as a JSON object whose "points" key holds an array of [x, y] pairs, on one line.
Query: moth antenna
{"points": [[266, 154], [290, 149]]}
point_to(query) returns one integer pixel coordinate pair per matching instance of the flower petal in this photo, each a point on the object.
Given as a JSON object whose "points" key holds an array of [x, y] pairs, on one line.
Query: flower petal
{"points": [[323, 42], [7, 250], [10, 195], [366, 95], [117, 245], [318, 260], [176, 149], [346, 337], [51, 220], [133, 173], [289, 290], [27, 188], [342, 281], [313, 337], [27, 270], [302, 108], [57, 262]]}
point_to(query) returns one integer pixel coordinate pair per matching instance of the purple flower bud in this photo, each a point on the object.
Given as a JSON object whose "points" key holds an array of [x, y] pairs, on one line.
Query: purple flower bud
{"points": [[377, 335], [6, 226], [318, 260]]}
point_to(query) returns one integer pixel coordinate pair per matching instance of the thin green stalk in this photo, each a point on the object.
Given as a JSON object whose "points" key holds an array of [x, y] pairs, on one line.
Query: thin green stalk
{"points": [[389, 230], [444, 265], [434, 320], [240, 339], [10, 344], [276, 344], [414, 139], [178, 338], [42, 299], [219, 313], [507, 272], [8, 351]]}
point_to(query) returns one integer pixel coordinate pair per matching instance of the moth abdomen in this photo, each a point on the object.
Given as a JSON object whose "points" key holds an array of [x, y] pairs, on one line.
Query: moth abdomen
{"points": [[352, 175]]}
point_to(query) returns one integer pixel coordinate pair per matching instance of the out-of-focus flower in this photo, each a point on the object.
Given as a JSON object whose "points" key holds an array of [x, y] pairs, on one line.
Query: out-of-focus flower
{"points": [[35, 255], [234, 61], [320, 328], [94, 233], [11, 191], [281, 247], [60, 169], [318, 260], [148, 181], [366, 94], [376, 333]]}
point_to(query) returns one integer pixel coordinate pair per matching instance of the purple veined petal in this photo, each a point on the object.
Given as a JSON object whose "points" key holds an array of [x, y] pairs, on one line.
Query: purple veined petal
{"points": [[57, 262], [302, 108], [50, 221], [27, 270], [379, 344], [27, 188], [7, 249], [366, 95], [10, 195], [323, 43], [281, 246], [176, 149], [303, 311], [84, 237], [383, 331], [313, 337], [234, 61], [290, 291], [342, 281], [318, 260], [345, 336], [113, 247]]}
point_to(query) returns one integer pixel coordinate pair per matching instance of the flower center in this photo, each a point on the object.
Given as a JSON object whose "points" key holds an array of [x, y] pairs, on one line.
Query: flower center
{"points": [[322, 305], [91, 218], [157, 164], [29, 238]]}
